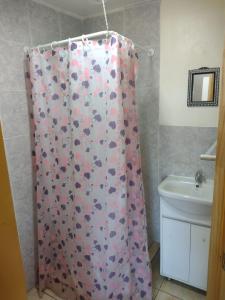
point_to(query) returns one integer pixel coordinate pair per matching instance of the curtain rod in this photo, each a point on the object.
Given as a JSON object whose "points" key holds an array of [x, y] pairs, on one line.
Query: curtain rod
{"points": [[209, 153], [150, 51]]}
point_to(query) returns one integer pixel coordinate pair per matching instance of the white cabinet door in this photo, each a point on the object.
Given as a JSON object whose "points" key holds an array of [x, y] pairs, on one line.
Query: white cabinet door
{"points": [[175, 249], [200, 237]]}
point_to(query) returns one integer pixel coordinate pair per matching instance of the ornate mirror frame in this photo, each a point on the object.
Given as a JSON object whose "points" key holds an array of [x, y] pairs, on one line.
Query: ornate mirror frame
{"points": [[204, 70]]}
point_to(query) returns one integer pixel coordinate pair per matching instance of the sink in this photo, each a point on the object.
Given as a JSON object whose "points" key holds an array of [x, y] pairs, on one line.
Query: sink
{"points": [[182, 193]]}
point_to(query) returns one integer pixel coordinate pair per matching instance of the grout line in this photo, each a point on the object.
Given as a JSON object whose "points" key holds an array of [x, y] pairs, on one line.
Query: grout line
{"points": [[29, 24], [162, 282], [124, 23], [59, 24], [58, 9], [22, 44], [178, 298], [171, 295], [182, 286], [156, 294], [13, 91], [119, 9], [16, 136], [46, 293], [51, 294]]}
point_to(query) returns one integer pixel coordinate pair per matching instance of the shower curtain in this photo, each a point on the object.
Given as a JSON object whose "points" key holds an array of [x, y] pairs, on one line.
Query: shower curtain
{"points": [[92, 241]]}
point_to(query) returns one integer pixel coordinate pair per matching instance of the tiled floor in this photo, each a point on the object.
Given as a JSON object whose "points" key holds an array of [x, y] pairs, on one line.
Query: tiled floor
{"points": [[163, 289], [48, 295]]}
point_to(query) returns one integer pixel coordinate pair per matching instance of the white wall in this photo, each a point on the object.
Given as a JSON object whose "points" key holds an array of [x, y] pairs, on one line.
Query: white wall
{"points": [[192, 36]]}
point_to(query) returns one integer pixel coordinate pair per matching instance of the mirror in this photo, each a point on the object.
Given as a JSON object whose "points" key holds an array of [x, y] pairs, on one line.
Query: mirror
{"points": [[203, 87]]}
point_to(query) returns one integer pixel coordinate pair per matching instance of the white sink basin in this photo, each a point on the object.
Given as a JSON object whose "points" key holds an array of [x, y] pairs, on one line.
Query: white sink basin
{"points": [[182, 193]]}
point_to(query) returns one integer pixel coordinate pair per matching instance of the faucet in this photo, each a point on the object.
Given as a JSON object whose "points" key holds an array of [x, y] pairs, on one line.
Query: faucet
{"points": [[199, 178]]}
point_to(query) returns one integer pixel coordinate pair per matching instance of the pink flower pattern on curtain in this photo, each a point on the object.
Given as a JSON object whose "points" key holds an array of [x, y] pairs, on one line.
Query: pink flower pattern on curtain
{"points": [[92, 240]]}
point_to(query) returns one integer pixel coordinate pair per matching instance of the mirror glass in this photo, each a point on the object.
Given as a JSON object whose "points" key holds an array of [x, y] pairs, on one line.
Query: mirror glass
{"points": [[203, 87]]}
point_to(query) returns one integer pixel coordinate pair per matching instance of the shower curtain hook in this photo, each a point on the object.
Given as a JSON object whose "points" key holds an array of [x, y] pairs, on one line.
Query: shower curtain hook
{"points": [[70, 41], [52, 45], [83, 39], [26, 50]]}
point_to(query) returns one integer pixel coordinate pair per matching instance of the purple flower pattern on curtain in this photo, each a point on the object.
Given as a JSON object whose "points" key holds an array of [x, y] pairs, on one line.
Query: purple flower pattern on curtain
{"points": [[92, 241]]}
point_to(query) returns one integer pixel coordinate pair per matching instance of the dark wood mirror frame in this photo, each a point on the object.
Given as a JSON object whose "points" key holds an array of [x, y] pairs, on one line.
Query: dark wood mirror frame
{"points": [[204, 70]]}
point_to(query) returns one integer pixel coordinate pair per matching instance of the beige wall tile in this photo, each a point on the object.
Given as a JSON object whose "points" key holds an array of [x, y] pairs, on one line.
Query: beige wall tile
{"points": [[179, 153], [12, 67], [14, 21], [69, 26], [44, 23]]}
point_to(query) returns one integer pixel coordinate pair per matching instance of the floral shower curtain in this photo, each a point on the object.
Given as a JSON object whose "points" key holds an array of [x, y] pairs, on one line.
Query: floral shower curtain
{"points": [[92, 241]]}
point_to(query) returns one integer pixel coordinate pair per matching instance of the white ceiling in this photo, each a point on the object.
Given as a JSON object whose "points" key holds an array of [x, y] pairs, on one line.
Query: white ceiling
{"points": [[87, 8]]}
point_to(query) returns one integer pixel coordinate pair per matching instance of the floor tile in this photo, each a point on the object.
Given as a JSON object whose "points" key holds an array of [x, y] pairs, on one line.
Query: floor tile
{"points": [[154, 293], [157, 279], [33, 295], [181, 291], [164, 296], [154, 249], [51, 294]]}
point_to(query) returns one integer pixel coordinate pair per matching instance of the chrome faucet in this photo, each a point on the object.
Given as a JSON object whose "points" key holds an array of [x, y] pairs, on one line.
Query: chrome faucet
{"points": [[199, 178]]}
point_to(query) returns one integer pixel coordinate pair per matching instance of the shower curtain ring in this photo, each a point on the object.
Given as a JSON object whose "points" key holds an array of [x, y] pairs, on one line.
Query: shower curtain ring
{"points": [[84, 39], [52, 45]]}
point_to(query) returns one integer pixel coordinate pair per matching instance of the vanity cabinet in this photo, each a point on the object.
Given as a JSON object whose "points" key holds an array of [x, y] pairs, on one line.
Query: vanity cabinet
{"points": [[184, 252], [176, 249], [199, 253]]}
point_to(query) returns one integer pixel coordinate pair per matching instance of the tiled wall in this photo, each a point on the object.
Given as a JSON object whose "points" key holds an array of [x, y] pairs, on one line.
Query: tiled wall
{"points": [[165, 149], [180, 148], [23, 23], [141, 24], [186, 132]]}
